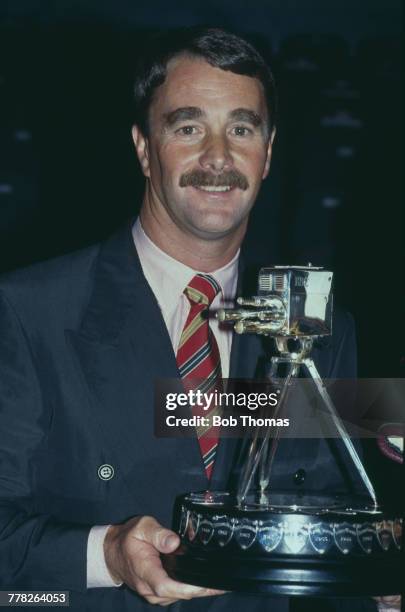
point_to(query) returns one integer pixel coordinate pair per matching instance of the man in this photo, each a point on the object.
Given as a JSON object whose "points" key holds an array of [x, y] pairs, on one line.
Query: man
{"points": [[86, 490]]}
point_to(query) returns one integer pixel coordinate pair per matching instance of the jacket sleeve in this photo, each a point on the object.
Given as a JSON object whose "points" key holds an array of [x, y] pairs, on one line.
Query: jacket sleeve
{"points": [[35, 550], [345, 346]]}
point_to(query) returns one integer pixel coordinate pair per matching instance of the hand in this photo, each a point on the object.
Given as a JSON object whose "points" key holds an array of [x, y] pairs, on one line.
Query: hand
{"points": [[132, 554]]}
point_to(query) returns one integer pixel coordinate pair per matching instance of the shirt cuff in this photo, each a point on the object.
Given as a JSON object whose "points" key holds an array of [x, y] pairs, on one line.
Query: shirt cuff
{"points": [[97, 571]]}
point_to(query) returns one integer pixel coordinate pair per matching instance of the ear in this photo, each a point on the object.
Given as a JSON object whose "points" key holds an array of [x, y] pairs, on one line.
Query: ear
{"points": [[142, 149], [268, 155]]}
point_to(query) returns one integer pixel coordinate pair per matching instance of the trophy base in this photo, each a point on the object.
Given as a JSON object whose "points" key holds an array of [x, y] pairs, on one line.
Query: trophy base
{"points": [[270, 546]]}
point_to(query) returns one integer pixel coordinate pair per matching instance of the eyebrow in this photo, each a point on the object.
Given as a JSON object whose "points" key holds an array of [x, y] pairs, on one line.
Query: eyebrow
{"points": [[183, 113], [247, 115]]}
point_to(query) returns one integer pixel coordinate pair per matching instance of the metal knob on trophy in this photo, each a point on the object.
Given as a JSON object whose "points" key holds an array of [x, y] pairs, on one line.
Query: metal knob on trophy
{"points": [[259, 539]]}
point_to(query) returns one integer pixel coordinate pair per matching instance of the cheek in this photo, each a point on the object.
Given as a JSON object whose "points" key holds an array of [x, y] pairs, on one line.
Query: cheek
{"points": [[256, 166], [251, 160], [162, 172], [180, 154], [173, 163]]}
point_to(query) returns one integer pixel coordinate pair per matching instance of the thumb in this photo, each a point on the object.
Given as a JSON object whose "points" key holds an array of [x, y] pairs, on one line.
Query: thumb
{"points": [[164, 540]]}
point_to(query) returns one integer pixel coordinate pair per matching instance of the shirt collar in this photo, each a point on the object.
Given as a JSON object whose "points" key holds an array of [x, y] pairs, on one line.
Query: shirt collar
{"points": [[168, 277]]}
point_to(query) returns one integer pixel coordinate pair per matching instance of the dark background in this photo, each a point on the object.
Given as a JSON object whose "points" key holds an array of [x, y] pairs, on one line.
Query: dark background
{"points": [[69, 175]]}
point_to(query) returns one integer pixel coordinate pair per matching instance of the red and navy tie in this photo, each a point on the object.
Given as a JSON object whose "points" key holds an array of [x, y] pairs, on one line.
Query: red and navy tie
{"points": [[199, 361]]}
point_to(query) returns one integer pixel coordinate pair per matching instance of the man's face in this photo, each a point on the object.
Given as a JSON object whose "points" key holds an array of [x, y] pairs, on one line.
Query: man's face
{"points": [[208, 148]]}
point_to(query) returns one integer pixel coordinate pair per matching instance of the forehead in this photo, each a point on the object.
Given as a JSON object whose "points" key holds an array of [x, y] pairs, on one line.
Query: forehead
{"points": [[194, 82]]}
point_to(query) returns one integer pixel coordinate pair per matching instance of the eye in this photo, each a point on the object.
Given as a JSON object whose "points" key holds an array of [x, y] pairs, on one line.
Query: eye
{"points": [[187, 130], [241, 130]]}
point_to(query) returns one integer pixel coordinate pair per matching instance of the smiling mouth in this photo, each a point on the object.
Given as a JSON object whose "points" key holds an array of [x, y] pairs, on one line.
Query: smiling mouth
{"points": [[214, 189]]}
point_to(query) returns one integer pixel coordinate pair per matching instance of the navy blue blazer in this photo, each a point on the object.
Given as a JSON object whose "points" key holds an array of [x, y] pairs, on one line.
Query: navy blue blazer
{"points": [[82, 341]]}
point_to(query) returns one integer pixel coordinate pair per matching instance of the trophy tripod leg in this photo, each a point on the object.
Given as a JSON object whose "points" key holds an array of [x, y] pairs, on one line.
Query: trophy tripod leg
{"points": [[271, 445], [261, 452], [310, 365], [245, 477], [275, 361]]}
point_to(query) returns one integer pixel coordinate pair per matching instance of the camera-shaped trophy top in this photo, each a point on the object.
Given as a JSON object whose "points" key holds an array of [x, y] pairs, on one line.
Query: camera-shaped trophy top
{"points": [[291, 301]]}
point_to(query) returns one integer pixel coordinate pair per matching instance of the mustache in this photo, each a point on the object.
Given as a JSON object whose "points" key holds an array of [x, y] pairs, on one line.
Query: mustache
{"points": [[200, 178]]}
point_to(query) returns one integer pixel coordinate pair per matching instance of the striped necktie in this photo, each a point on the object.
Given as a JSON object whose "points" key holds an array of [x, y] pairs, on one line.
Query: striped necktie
{"points": [[199, 361]]}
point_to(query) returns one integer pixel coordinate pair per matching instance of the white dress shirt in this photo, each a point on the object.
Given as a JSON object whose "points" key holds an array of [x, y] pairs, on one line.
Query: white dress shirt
{"points": [[167, 278]]}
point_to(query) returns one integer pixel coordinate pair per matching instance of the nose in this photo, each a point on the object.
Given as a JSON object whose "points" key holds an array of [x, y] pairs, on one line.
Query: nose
{"points": [[216, 155]]}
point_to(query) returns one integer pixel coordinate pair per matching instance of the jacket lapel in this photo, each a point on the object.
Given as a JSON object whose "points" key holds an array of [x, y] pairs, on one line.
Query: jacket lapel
{"points": [[122, 348]]}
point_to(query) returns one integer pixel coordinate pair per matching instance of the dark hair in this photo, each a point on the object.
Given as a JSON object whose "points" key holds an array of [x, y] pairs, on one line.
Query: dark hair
{"points": [[218, 47]]}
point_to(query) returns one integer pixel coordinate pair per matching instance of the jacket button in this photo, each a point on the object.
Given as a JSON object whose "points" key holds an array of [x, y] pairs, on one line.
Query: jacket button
{"points": [[299, 476], [105, 471]]}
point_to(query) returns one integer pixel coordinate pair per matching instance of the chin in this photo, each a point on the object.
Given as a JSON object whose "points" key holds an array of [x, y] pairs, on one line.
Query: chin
{"points": [[215, 230]]}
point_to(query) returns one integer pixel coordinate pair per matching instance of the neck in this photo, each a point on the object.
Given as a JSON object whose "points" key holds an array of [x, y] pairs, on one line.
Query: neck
{"points": [[204, 255]]}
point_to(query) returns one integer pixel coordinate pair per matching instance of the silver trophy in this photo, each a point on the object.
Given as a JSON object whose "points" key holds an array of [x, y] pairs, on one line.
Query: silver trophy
{"points": [[263, 540]]}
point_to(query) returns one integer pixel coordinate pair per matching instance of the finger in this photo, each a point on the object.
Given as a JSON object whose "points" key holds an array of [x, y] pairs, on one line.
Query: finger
{"points": [[205, 592], [161, 585], [180, 590], [158, 581], [143, 589], [150, 531], [159, 596], [160, 601], [151, 573], [149, 576]]}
